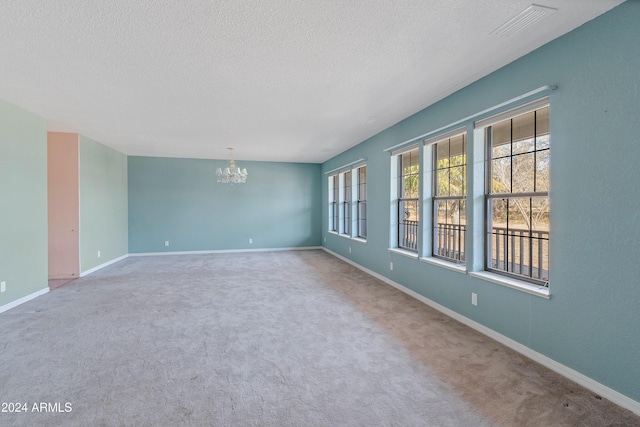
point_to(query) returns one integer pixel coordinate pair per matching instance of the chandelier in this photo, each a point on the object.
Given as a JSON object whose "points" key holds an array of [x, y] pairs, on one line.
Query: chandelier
{"points": [[231, 174]]}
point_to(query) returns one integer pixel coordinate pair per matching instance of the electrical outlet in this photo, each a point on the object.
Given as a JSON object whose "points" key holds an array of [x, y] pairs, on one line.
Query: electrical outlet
{"points": [[3, 286], [391, 266], [325, 240], [166, 243], [474, 298], [349, 249], [250, 241], [98, 254]]}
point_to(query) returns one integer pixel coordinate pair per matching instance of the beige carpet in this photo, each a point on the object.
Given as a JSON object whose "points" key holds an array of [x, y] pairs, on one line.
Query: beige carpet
{"points": [[271, 339]]}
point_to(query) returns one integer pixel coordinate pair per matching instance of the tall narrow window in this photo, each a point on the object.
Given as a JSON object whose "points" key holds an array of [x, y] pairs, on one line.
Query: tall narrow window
{"points": [[346, 203], [408, 194], [450, 198], [362, 202], [517, 196], [333, 203]]}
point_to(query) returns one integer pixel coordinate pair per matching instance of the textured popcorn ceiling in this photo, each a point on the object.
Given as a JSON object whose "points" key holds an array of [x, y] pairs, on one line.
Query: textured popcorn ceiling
{"points": [[278, 80]]}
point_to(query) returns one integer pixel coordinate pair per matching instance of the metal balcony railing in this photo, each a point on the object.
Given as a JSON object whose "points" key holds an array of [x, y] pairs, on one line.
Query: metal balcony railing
{"points": [[515, 251], [521, 252], [408, 235], [449, 241]]}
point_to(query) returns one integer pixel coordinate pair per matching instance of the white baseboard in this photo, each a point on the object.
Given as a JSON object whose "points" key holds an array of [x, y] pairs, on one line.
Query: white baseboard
{"points": [[94, 269], [575, 376], [22, 300], [225, 251]]}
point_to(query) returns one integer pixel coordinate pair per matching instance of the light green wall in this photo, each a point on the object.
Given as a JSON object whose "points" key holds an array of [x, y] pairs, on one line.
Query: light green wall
{"points": [[23, 202], [179, 200], [103, 204]]}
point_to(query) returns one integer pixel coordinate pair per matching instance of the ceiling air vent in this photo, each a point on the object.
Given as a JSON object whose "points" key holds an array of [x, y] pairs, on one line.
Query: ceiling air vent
{"points": [[524, 19]]}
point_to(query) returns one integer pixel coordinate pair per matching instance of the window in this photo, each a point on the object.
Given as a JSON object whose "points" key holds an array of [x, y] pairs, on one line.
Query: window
{"points": [[333, 203], [450, 198], [517, 196], [362, 202], [346, 203], [408, 194]]}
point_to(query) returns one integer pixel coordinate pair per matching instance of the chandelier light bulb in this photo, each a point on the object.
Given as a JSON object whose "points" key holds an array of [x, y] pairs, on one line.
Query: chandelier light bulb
{"points": [[231, 174]]}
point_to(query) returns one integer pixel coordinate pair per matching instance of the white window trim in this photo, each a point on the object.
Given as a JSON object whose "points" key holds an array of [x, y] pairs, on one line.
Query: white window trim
{"points": [[404, 252], [509, 282], [451, 265]]}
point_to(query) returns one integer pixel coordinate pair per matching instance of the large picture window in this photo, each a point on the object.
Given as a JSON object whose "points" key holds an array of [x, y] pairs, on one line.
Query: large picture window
{"points": [[517, 196], [408, 196], [449, 198]]}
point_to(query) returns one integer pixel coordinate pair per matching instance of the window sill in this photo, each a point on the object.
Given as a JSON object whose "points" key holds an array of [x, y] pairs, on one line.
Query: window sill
{"points": [[359, 239], [335, 233], [460, 268], [512, 283], [404, 252]]}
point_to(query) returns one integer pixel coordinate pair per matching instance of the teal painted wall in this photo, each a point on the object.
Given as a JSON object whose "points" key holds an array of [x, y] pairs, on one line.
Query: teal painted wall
{"points": [[178, 200], [23, 202], [592, 320], [103, 204]]}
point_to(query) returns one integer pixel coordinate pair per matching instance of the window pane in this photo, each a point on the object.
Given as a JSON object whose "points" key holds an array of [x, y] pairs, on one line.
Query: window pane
{"points": [[523, 127], [540, 214], [362, 183], [501, 175], [498, 209], [542, 121], [442, 178], [409, 210], [457, 146], [449, 231], [408, 224], [457, 181], [542, 142], [442, 154], [523, 173], [519, 236], [524, 146], [409, 170], [362, 219], [542, 171], [410, 187], [497, 233], [362, 202], [501, 135]]}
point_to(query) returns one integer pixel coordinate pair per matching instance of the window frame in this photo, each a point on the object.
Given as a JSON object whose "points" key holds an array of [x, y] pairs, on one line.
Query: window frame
{"points": [[406, 235], [490, 196], [333, 203], [361, 202], [345, 202], [451, 233]]}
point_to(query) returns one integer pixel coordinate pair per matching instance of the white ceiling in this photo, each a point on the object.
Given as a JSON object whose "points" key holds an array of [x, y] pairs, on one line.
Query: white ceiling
{"points": [[278, 80]]}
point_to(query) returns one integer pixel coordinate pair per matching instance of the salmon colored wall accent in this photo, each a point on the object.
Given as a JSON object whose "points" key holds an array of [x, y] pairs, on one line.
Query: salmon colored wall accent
{"points": [[64, 206]]}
